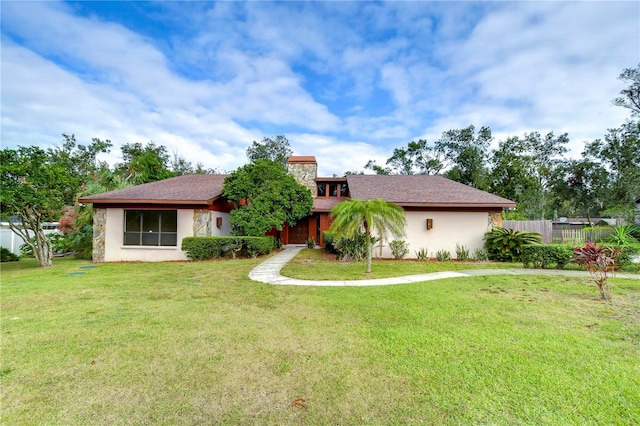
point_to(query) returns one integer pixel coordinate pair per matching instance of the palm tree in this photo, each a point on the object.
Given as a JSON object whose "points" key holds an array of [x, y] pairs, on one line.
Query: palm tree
{"points": [[354, 216]]}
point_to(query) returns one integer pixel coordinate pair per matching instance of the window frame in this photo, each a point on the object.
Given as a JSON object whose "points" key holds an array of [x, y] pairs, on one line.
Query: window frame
{"points": [[163, 237]]}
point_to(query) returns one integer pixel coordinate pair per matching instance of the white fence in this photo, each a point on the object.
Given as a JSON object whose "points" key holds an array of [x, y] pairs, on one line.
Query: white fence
{"points": [[12, 241]]}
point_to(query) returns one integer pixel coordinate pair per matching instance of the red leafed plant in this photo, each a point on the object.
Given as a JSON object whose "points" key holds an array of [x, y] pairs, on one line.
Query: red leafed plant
{"points": [[600, 261]]}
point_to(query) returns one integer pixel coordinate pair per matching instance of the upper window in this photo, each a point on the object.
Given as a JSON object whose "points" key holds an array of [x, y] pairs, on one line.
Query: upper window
{"points": [[322, 190], [150, 228], [344, 190]]}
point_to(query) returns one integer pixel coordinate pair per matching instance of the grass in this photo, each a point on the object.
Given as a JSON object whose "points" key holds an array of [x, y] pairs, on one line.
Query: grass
{"points": [[199, 343], [315, 264]]}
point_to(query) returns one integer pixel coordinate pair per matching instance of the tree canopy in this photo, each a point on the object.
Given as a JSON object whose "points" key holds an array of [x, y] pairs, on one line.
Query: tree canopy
{"points": [[37, 184], [630, 96], [277, 149], [266, 196]]}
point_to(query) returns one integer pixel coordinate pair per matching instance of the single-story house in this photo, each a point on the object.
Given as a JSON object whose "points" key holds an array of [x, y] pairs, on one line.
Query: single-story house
{"points": [[148, 222]]}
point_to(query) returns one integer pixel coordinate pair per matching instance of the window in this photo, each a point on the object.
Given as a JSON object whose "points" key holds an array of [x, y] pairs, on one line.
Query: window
{"points": [[322, 190], [333, 190], [344, 190], [150, 228]]}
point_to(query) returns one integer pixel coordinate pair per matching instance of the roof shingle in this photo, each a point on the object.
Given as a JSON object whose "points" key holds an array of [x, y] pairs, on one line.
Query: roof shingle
{"points": [[422, 191], [186, 189]]}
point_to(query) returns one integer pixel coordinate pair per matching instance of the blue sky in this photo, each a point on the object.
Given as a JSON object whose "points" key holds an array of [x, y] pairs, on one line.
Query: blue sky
{"points": [[344, 81]]}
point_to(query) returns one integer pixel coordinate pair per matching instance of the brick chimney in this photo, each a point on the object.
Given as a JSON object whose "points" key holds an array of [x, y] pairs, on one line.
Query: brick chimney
{"points": [[305, 170]]}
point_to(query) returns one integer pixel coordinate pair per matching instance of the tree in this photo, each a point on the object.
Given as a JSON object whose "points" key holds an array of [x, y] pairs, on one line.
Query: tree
{"points": [[369, 216], [265, 197], [277, 149], [180, 166], [37, 184], [619, 154], [81, 234], [631, 95], [417, 158], [467, 154], [522, 170], [581, 184], [144, 163], [510, 175]]}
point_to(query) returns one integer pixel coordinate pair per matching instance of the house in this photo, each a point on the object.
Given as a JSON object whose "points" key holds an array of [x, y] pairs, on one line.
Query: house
{"points": [[148, 222]]}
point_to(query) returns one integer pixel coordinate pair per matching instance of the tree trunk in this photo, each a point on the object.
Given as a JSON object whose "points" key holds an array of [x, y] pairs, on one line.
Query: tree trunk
{"points": [[41, 247], [368, 244]]}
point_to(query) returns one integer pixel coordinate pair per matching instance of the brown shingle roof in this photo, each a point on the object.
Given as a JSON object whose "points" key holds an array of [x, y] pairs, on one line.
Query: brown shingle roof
{"points": [[422, 191], [325, 204], [187, 189]]}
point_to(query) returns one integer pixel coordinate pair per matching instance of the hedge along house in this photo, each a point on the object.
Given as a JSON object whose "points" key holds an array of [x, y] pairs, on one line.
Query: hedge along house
{"points": [[148, 222]]}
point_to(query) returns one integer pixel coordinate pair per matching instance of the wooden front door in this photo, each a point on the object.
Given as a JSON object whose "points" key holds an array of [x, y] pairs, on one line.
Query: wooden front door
{"points": [[299, 233]]}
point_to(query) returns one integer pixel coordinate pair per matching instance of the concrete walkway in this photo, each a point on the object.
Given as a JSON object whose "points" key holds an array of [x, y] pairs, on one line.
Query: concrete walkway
{"points": [[269, 272]]}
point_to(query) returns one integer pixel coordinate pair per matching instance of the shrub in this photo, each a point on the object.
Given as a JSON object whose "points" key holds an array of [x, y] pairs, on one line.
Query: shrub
{"points": [[480, 255], [328, 239], [399, 249], [200, 248], [81, 241], [506, 245], [311, 243], [622, 235], [600, 261], [7, 256], [624, 256], [443, 255], [546, 256], [462, 253], [351, 249], [422, 254], [60, 244], [255, 246]]}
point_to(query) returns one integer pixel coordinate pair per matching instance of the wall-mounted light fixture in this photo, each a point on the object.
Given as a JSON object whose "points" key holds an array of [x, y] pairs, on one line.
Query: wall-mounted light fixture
{"points": [[429, 224], [219, 222]]}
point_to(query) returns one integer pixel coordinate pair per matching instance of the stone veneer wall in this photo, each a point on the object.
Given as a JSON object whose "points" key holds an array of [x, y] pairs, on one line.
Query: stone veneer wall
{"points": [[305, 174], [202, 223], [99, 234]]}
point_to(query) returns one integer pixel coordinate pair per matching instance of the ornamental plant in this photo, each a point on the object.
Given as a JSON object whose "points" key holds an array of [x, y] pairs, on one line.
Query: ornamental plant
{"points": [[601, 262], [506, 244]]}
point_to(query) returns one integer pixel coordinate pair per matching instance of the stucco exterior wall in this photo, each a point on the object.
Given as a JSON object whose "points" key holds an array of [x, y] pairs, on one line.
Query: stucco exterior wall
{"points": [[116, 251], [449, 228]]}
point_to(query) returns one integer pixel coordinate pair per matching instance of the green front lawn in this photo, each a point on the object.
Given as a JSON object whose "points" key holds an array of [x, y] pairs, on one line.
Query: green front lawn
{"points": [[199, 343], [318, 265]]}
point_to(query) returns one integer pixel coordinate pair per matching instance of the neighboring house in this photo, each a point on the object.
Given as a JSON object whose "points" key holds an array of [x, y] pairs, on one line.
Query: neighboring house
{"points": [[148, 222], [581, 222]]}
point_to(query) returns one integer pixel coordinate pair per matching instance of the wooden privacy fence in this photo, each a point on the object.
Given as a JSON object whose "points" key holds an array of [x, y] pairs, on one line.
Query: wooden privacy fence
{"points": [[557, 235], [542, 227]]}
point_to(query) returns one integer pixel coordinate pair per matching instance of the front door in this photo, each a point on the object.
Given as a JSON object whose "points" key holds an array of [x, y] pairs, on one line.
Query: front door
{"points": [[299, 233]]}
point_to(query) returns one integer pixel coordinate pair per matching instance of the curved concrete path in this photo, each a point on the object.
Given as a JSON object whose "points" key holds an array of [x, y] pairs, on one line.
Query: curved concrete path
{"points": [[269, 272]]}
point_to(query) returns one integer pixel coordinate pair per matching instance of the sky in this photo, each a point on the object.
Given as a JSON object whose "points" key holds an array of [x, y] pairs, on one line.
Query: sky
{"points": [[344, 81]]}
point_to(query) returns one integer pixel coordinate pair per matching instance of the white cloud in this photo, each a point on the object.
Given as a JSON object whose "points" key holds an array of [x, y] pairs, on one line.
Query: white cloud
{"points": [[347, 82]]}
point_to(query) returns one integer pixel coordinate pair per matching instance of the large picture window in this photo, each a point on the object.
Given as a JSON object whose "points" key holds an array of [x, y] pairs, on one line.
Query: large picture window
{"points": [[150, 228]]}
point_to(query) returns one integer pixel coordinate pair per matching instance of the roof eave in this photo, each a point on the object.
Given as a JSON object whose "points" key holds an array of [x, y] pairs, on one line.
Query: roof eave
{"points": [[457, 205], [144, 201]]}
